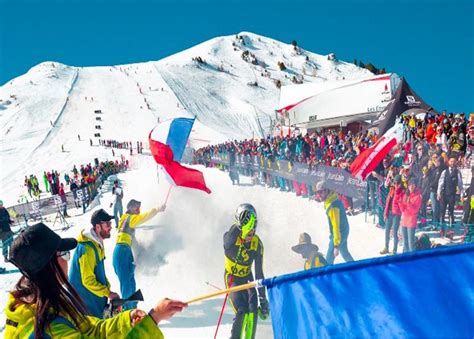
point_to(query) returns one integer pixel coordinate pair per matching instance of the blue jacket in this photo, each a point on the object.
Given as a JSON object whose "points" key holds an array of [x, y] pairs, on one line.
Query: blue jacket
{"points": [[87, 274]]}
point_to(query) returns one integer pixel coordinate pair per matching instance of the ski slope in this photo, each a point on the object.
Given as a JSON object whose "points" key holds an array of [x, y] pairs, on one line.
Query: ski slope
{"points": [[180, 250], [53, 103]]}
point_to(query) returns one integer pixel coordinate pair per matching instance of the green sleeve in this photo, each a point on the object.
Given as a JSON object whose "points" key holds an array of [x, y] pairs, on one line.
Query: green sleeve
{"points": [[117, 327], [145, 329]]}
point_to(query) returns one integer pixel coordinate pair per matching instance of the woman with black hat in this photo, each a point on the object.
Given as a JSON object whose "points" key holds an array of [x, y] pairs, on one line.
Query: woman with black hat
{"points": [[44, 304]]}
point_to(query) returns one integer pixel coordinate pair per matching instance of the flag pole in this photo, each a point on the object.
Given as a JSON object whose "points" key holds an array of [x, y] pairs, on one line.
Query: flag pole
{"points": [[168, 195], [252, 284]]}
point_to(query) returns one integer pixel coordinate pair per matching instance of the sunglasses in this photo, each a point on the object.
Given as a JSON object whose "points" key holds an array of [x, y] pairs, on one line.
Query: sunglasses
{"points": [[66, 255]]}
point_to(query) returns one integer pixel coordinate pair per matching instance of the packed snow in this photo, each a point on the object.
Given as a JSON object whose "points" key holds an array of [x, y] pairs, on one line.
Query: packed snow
{"points": [[180, 252]]}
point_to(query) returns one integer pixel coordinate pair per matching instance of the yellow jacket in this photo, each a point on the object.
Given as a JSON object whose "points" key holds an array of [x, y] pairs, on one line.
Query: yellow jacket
{"points": [[87, 273], [337, 218], [128, 223], [20, 324]]}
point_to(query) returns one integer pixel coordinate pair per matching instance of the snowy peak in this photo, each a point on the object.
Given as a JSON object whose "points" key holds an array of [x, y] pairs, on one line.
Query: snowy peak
{"points": [[231, 84]]}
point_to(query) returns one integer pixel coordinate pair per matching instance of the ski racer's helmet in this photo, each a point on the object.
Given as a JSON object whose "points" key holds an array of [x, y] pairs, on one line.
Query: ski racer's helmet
{"points": [[246, 214]]}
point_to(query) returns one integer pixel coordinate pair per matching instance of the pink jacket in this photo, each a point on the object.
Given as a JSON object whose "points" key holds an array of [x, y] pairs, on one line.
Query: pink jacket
{"points": [[410, 206]]}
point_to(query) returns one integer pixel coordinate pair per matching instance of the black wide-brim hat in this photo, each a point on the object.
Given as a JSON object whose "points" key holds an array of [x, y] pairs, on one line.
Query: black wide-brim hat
{"points": [[301, 247], [304, 243], [36, 246]]}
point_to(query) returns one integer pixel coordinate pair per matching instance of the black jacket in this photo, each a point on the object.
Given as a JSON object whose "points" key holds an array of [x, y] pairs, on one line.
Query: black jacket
{"points": [[240, 257], [5, 220]]}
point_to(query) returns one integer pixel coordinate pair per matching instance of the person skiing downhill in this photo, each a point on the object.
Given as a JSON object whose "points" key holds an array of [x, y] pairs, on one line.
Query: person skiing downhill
{"points": [[242, 247]]}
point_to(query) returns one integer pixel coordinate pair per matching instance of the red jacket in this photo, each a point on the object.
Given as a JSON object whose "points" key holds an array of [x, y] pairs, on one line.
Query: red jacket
{"points": [[410, 205], [394, 198]]}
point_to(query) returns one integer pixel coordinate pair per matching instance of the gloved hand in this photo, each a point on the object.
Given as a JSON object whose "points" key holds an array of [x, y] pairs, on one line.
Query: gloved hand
{"points": [[263, 310], [248, 227]]}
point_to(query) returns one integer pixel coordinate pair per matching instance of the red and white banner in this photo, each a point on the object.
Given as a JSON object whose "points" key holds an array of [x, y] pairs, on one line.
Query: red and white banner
{"points": [[368, 160]]}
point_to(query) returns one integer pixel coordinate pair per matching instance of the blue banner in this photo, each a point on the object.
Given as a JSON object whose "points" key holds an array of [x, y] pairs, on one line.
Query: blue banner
{"points": [[423, 294], [178, 135]]}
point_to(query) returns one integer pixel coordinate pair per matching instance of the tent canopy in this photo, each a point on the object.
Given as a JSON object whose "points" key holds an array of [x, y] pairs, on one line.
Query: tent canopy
{"points": [[328, 103]]}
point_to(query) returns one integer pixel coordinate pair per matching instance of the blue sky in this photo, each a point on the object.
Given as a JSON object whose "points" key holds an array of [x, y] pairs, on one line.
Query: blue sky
{"points": [[431, 43]]}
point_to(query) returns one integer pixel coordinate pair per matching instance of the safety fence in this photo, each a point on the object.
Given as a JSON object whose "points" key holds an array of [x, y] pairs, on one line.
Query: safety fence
{"points": [[34, 210], [289, 175]]}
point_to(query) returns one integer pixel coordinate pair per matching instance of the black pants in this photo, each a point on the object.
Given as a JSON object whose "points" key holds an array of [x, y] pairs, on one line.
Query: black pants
{"points": [[448, 201], [6, 237], [245, 305]]}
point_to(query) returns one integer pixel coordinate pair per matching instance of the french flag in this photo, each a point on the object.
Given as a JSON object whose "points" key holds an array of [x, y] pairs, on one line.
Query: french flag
{"points": [[167, 143], [368, 160]]}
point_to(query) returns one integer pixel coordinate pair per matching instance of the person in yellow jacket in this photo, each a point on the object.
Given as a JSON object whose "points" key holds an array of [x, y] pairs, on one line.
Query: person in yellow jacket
{"points": [[44, 304], [87, 272], [309, 252], [338, 223], [123, 261]]}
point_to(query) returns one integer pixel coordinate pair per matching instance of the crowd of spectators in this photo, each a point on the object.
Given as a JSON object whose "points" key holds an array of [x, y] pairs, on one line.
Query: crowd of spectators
{"points": [[121, 145], [82, 182], [429, 157]]}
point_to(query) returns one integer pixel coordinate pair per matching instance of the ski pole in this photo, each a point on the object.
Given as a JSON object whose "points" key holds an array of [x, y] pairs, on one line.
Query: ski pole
{"points": [[212, 285], [231, 280]]}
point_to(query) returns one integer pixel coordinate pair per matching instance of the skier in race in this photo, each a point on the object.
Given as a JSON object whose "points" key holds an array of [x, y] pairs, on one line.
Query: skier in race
{"points": [[242, 247]]}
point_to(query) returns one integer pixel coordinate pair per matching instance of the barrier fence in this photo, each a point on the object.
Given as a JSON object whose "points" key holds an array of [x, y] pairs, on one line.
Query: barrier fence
{"points": [[370, 194], [336, 179]]}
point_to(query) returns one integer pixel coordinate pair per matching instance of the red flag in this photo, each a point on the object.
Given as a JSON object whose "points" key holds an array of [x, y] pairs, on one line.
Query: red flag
{"points": [[182, 176], [368, 160]]}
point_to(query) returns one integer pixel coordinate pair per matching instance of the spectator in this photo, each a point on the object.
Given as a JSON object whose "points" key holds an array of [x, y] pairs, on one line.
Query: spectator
{"points": [[73, 187], [45, 304], [118, 207], [434, 175], [392, 214], [468, 215], [45, 181], [6, 233], [87, 273], [123, 261], [410, 206], [338, 224], [62, 195], [449, 181], [425, 193], [309, 252]]}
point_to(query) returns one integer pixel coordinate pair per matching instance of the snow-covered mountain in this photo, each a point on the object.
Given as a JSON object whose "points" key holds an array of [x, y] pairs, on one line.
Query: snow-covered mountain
{"points": [[229, 83]]}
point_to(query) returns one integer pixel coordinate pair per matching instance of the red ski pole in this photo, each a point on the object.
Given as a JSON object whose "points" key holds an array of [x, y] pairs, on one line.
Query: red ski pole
{"points": [[223, 307]]}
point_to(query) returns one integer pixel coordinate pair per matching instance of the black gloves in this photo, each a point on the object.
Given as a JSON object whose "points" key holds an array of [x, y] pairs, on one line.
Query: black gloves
{"points": [[263, 310]]}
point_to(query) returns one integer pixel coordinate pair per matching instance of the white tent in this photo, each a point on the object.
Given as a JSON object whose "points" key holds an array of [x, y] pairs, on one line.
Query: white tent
{"points": [[334, 103]]}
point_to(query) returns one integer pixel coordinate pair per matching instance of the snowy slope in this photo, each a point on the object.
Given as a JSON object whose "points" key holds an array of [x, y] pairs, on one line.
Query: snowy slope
{"points": [[180, 250], [134, 97]]}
